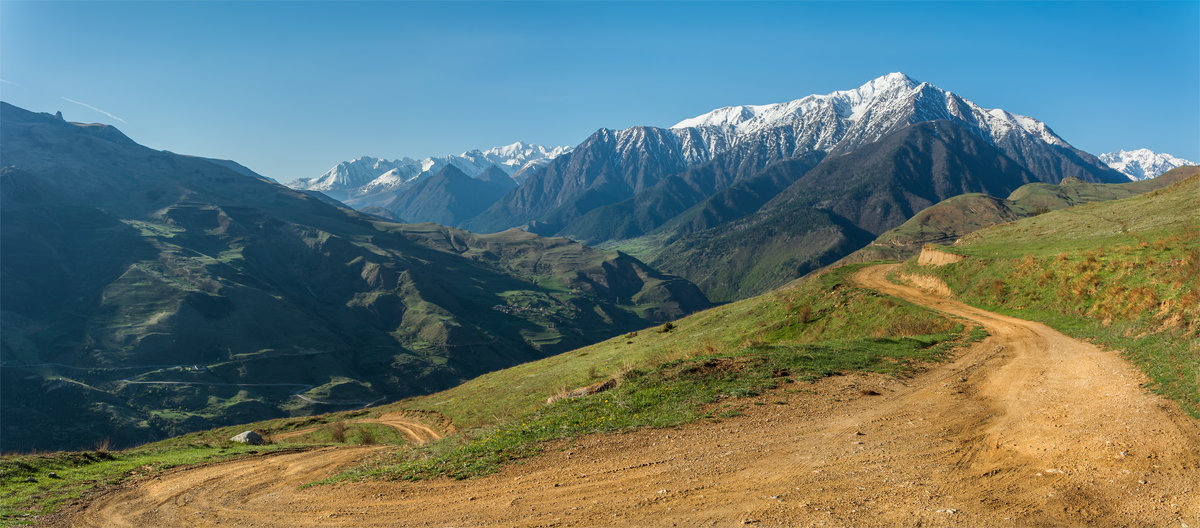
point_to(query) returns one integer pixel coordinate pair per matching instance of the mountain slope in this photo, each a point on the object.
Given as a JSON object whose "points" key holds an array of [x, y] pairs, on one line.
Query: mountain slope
{"points": [[1142, 164], [607, 167], [671, 198], [146, 293], [612, 166], [838, 206], [450, 196]]}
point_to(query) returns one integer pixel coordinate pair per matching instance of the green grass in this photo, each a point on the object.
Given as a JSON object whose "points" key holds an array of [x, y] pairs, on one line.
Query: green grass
{"points": [[673, 373], [670, 394], [1122, 274], [81, 472], [825, 307]]}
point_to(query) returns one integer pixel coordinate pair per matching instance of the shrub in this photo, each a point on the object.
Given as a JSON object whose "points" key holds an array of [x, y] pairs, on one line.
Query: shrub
{"points": [[337, 430], [366, 436]]}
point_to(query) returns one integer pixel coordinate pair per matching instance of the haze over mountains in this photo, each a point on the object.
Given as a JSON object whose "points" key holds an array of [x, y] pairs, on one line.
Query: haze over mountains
{"points": [[147, 294]]}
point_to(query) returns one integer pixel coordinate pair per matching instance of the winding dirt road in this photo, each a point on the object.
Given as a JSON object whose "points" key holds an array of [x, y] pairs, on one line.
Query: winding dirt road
{"points": [[1027, 428]]}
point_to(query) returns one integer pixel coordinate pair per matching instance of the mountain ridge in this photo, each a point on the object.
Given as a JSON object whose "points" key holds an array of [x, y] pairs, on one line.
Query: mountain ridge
{"points": [[1143, 163], [613, 165], [851, 199], [368, 181]]}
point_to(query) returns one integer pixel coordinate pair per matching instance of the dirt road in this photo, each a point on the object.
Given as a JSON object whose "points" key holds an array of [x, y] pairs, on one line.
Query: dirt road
{"points": [[416, 431], [1027, 428]]}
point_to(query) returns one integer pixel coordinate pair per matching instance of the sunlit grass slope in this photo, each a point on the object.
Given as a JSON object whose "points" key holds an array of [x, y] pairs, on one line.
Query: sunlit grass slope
{"points": [[675, 373], [1123, 274], [827, 307]]}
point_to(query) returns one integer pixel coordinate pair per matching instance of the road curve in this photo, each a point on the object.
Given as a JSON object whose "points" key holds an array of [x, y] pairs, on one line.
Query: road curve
{"points": [[1027, 428], [416, 431]]}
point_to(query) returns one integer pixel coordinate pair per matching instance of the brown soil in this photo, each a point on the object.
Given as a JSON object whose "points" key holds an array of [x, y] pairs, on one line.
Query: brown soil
{"points": [[405, 422], [933, 257], [1027, 428]]}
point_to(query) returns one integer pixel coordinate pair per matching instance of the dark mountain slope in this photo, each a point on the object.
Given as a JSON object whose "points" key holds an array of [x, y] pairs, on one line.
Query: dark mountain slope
{"points": [[450, 196], [742, 198], [144, 293], [608, 167], [1048, 157], [675, 195], [839, 206], [615, 165]]}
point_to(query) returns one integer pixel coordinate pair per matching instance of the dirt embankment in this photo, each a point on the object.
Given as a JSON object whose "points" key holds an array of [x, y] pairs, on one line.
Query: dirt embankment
{"points": [[931, 256], [1027, 428]]}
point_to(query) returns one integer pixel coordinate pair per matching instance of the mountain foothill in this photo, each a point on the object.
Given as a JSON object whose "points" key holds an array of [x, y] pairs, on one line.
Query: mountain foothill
{"points": [[148, 294]]}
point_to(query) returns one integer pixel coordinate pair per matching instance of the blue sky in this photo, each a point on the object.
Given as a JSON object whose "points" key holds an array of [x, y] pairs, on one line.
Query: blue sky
{"points": [[290, 89]]}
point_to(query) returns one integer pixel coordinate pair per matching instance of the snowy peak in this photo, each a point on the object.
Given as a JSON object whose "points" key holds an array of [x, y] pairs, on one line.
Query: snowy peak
{"points": [[844, 120], [366, 175], [511, 158], [1143, 163], [520, 153], [749, 118], [355, 173]]}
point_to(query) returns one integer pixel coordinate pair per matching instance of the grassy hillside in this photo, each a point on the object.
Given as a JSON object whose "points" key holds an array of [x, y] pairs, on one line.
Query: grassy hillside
{"points": [[947, 221], [825, 308], [669, 374], [674, 373], [1121, 273]]}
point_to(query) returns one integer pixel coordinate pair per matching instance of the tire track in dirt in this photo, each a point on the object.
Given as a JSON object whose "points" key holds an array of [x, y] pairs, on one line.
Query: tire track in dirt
{"points": [[1026, 428]]}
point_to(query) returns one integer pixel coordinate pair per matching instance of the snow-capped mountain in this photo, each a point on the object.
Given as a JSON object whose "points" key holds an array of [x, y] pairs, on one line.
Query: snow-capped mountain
{"points": [[612, 165], [514, 157], [367, 181], [843, 120], [1142, 164]]}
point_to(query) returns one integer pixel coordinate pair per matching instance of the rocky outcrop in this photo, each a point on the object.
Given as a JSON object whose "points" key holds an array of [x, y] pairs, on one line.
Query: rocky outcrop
{"points": [[248, 437]]}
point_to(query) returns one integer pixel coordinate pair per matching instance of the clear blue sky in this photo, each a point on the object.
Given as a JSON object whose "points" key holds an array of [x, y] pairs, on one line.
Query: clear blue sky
{"points": [[290, 89]]}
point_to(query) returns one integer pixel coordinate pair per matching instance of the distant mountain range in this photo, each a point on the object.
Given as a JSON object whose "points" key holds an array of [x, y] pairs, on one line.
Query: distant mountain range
{"points": [[706, 197], [367, 181], [1142, 164], [744, 198], [147, 294]]}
